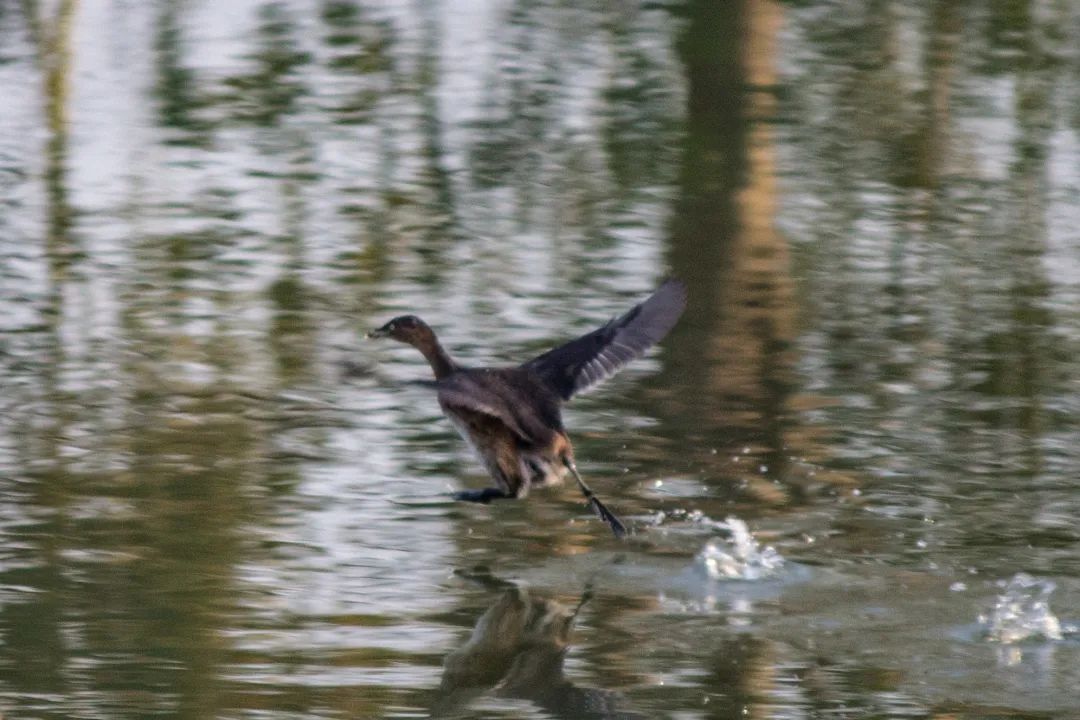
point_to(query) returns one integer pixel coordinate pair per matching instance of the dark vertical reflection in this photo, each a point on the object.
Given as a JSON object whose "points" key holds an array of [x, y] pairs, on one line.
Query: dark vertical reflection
{"points": [[517, 108], [731, 354], [435, 176], [935, 263], [291, 332], [741, 673], [176, 592], [34, 641], [530, 169], [124, 578], [1018, 349], [56, 56], [713, 163], [273, 89], [361, 53], [179, 99], [918, 158], [641, 123]]}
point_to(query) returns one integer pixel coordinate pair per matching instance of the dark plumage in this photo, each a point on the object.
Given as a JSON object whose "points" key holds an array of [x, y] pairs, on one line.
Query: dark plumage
{"points": [[512, 417]]}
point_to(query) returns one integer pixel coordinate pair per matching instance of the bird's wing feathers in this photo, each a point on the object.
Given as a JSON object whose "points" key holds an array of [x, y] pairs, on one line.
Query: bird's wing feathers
{"points": [[496, 394], [583, 363]]}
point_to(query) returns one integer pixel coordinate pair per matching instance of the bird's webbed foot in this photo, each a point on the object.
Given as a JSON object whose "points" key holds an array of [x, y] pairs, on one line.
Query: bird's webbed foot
{"points": [[481, 496]]}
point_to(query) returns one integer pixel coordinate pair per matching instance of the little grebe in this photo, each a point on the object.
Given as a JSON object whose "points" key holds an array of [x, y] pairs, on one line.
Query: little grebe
{"points": [[511, 416]]}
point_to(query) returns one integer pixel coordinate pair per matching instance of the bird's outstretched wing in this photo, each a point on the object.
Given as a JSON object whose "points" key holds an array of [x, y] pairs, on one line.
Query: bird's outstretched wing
{"points": [[580, 364]]}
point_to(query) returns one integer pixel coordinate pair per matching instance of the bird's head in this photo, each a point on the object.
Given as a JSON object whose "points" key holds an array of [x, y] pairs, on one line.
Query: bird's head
{"points": [[405, 328]]}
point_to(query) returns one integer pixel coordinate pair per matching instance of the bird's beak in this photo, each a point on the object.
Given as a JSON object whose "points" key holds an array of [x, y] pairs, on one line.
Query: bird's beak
{"points": [[377, 333]]}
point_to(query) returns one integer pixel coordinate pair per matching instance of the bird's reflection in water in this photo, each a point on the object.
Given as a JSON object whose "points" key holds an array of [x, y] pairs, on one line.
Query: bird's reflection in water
{"points": [[517, 650]]}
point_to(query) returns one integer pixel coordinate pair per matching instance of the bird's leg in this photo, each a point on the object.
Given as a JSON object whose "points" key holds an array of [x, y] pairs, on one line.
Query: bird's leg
{"points": [[481, 496], [586, 596], [594, 502]]}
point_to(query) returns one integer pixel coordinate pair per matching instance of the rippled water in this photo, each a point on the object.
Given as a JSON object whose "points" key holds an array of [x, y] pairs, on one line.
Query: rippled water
{"points": [[216, 500]]}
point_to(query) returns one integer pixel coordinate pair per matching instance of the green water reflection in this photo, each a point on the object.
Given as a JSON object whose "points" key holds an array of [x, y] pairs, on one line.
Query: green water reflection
{"points": [[216, 501]]}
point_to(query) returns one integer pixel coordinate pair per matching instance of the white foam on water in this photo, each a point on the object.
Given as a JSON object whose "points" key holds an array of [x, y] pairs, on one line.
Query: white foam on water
{"points": [[1022, 612], [738, 557]]}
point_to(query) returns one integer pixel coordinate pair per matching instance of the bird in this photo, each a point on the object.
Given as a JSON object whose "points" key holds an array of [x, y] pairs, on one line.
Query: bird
{"points": [[511, 416]]}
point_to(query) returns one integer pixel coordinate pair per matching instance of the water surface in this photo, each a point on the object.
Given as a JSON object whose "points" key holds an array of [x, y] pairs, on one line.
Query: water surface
{"points": [[216, 500]]}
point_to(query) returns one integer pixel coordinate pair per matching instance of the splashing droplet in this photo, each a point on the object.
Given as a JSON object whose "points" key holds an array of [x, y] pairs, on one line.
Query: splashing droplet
{"points": [[1022, 612], [738, 557]]}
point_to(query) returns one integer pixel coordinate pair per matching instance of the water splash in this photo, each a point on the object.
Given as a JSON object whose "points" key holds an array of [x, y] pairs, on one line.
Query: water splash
{"points": [[738, 557], [1022, 612], [688, 517]]}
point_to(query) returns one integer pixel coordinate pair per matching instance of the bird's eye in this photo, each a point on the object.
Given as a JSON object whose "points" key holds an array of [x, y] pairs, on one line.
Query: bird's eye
{"points": [[392, 327]]}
